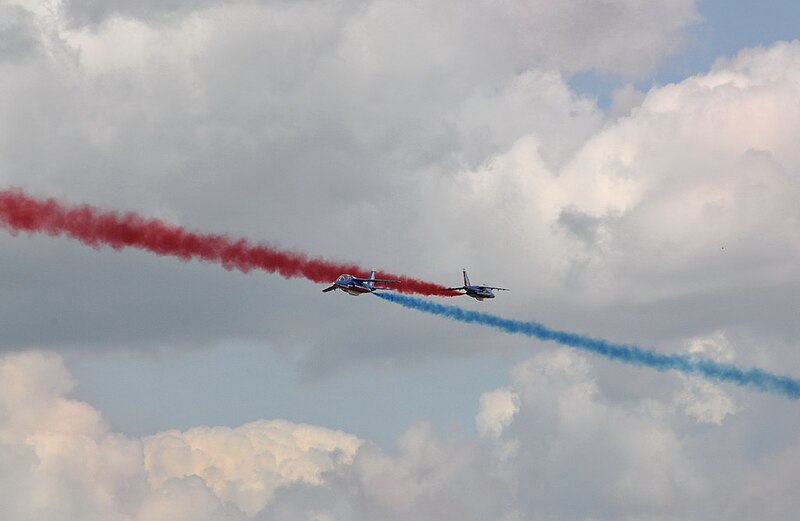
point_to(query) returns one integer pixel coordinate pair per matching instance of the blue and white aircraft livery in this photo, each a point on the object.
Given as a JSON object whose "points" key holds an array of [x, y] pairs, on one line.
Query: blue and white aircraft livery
{"points": [[356, 285], [476, 291]]}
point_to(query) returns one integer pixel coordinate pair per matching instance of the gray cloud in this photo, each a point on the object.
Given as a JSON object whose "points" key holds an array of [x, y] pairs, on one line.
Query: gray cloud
{"points": [[569, 452], [586, 35], [306, 124], [94, 12], [19, 34]]}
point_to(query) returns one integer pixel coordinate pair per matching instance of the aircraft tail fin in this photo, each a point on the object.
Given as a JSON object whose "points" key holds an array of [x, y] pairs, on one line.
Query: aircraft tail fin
{"points": [[466, 279], [371, 278]]}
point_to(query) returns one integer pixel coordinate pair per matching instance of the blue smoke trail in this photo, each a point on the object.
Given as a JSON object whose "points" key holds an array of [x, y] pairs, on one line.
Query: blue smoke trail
{"points": [[631, 354]]}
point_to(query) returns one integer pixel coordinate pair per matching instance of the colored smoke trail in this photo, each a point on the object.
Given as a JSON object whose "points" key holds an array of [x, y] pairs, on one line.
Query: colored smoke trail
{"points": [[20, 212], [631, 354]]}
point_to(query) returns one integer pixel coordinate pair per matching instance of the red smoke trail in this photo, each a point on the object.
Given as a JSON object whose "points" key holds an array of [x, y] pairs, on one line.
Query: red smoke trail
{"points": [[95, 227]]}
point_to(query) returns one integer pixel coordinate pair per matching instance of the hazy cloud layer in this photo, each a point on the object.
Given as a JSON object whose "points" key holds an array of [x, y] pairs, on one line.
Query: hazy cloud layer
{"points": [[572, 36], [557, 447]]}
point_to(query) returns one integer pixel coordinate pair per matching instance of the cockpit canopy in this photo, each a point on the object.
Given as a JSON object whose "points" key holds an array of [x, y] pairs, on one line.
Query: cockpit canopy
{"points": [[344, 277]]}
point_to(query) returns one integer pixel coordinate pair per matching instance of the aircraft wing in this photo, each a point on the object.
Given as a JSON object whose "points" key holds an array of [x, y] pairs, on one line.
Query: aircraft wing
{"points": [[500, 289], [374, 280], [454, 289], [329, 289]]}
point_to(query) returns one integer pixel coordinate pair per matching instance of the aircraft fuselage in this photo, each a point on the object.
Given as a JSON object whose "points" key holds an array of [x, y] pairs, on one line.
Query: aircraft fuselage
{"points": [[355, 290], [479, 293], [356, 286]]}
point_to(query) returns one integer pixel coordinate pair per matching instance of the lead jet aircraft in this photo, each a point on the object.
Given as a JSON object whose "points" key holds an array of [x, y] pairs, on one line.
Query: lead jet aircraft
{"points": [[477, 291], [355, 285]]}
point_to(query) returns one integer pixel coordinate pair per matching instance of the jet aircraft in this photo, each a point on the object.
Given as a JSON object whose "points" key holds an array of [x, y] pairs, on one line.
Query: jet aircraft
{"points": [[476, 291], [355, 285]]}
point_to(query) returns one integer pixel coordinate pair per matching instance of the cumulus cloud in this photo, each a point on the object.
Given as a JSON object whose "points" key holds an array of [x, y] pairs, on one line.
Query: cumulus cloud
{"points": [[61, 461], [703, 400], [556, 444], [59, 454], [577, 454], [244, 466], [497, 411], [672, 221]]}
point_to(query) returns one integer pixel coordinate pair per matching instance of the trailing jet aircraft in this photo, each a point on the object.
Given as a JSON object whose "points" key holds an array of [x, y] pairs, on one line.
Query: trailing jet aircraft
{"points": [[477, 291], [355, 285]]}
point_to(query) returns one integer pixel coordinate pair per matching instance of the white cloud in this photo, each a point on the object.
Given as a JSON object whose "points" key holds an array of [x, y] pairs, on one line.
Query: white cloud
{"points": [[703, 400], [59, 448], [244, 466], [706, 402], [579, 453], [675, 219], [61, 461], [700, 183], [497, 410]]}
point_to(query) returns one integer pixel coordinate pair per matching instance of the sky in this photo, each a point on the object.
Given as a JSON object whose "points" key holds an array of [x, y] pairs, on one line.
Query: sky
{"points": [[629, 169]]}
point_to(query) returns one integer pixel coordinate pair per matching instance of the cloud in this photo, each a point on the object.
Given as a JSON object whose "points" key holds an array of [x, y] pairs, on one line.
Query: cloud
{"points": [[61, 461], [540, 33], [94, 12], [649, 226], [557, 444], [292, 122], [667, 223], [244, 466], [19, 34], [568, 452], [497, 412], [618, 457], [607, 28], [59, 455], [697, 182]]}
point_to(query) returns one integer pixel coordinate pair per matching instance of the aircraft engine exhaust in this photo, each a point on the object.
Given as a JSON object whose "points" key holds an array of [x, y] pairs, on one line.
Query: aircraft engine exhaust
{"points": [[20, 212]]}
